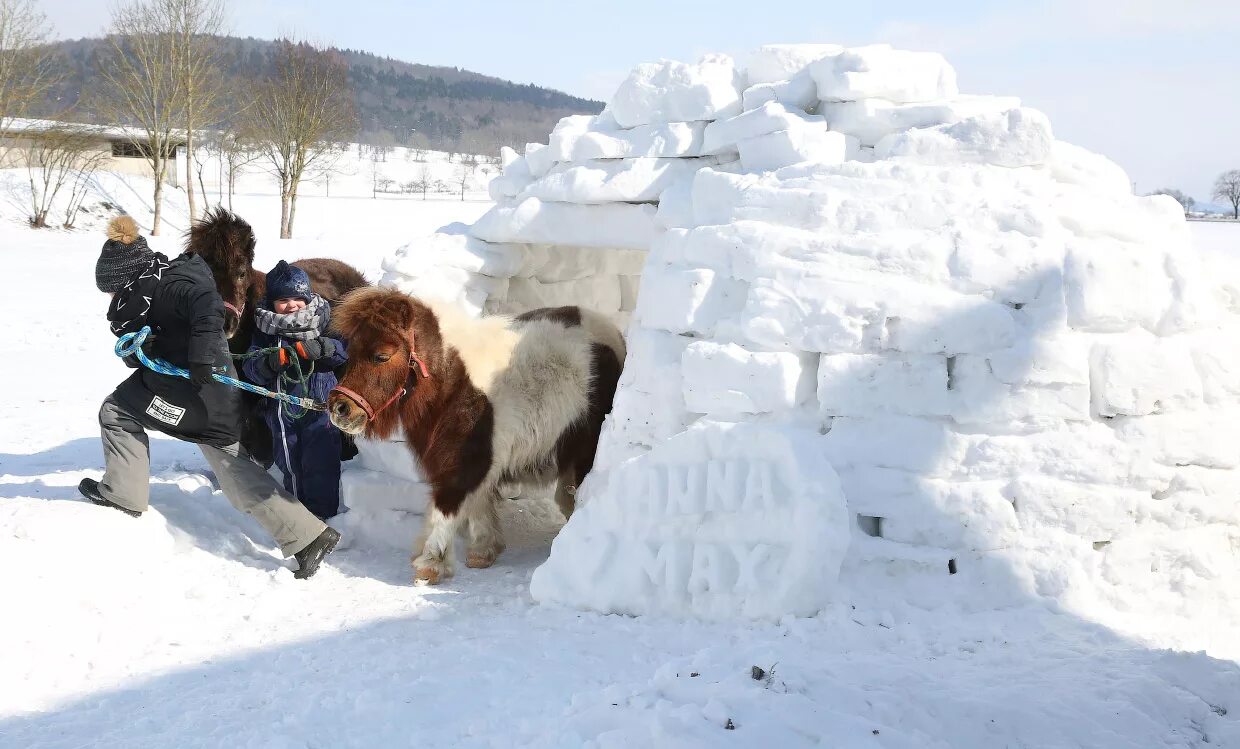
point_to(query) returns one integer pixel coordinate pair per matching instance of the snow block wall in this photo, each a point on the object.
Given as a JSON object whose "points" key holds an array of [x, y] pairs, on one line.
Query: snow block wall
{"points": [[882, 328]]}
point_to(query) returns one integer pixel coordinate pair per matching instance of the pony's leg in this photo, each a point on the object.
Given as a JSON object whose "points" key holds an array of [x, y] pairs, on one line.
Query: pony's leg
{"points": [[566, 492], [434, 561], [486, 538]]}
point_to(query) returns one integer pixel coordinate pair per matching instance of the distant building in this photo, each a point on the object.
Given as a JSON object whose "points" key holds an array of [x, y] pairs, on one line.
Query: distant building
{"points": [[124, 155]]}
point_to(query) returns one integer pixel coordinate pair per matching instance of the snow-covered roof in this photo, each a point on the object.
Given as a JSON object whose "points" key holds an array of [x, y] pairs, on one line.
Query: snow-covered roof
{"points": [[21, 125]]}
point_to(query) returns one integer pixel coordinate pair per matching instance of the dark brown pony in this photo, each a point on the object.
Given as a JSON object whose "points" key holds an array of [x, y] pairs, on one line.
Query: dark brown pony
{"points": [[226, 242]]}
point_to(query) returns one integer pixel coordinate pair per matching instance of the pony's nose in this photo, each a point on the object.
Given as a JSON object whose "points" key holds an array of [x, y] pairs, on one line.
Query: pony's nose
{"points": [[340, 409], [232, 323]]}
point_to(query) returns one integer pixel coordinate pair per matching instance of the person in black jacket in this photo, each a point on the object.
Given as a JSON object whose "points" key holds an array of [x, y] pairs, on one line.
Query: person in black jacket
{"points": [[177, 298]]}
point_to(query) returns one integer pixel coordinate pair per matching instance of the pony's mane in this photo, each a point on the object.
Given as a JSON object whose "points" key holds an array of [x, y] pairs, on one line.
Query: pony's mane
{"points": [[221, 236], [373, 308]]}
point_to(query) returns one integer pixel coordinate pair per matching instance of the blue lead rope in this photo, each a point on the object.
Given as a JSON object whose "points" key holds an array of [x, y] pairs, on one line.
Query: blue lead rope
{"points": [[131, 344]]}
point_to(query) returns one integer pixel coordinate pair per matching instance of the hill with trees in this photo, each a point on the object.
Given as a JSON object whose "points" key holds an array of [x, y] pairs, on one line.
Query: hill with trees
{"points": [[397, 103]]}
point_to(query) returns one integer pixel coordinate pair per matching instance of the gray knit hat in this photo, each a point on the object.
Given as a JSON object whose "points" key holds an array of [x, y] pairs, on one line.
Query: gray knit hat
{"points": [[124, 254]]}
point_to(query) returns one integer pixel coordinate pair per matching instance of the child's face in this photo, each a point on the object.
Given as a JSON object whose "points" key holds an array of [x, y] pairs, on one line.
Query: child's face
{"points": [[285, 306]]}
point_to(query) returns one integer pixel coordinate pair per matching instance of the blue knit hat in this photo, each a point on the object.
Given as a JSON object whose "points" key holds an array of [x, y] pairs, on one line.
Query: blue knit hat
{"points": [[288, 282]]}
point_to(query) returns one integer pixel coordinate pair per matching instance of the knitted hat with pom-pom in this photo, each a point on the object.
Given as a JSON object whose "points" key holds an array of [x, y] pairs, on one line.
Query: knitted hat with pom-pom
{"points": [[124, 254]]}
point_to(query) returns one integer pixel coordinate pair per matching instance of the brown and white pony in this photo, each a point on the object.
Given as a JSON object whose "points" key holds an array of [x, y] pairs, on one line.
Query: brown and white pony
{"points": [[226, 242], [481, 402]]}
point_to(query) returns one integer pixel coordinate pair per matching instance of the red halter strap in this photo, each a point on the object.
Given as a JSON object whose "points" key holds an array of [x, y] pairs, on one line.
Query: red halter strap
{"points": [[415, 365], [233, 309]]}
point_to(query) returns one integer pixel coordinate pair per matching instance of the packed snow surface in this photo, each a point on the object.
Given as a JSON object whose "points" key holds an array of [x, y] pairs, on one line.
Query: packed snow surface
{"points": [[926, 445], [184, 628]]}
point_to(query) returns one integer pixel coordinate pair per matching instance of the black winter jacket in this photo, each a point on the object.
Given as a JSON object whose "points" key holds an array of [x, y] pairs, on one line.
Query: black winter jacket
{"points": [[187, 316]]}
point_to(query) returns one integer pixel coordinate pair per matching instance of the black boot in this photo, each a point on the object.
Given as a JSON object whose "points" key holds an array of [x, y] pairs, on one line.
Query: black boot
{"points": [[90, 489], [308, 559]]}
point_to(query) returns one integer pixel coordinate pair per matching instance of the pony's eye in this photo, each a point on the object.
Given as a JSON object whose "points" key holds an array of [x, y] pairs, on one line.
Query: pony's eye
{"points": [[381, 358]]}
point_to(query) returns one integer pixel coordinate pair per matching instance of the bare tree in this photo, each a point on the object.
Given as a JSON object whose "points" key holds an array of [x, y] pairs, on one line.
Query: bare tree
{"points": [[465, 171], [381, 145], [424, 181], [26, 63], [1184, 200], [88, 163], [1227, 187], [419, 144], [237, 150], [49, 160], [196, 25], [300, 116], [142, 85], [375, 177]]}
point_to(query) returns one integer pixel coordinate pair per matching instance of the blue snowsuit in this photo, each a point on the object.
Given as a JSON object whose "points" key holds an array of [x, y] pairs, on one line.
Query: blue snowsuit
{"points": [[306, 446]]}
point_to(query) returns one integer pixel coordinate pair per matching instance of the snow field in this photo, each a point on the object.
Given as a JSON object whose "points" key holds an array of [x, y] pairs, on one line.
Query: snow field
{"points": [[188, 626]]}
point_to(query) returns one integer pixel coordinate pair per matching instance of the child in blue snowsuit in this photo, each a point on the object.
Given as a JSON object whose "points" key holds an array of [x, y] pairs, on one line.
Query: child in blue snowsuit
{"points": [[306, 444]]}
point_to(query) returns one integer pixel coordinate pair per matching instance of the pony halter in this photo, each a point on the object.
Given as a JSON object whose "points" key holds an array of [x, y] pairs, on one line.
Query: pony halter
{"points": [[416, 365]]}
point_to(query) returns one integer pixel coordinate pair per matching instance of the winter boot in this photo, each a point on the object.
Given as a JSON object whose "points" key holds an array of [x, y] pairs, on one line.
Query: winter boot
{"points": [[90, 489], [309, 558]]}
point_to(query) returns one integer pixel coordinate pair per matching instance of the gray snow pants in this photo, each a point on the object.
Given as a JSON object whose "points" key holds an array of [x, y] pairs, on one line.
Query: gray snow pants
{"points": [[126, 480]]}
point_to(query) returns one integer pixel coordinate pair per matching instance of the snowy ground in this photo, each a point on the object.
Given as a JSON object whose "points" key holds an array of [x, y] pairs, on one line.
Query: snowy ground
{"points": [[184, 628]]}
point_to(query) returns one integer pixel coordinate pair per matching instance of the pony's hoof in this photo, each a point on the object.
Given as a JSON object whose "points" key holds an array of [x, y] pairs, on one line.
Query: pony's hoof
{"points": [[426, 576], [480, 560], [430, 571]]}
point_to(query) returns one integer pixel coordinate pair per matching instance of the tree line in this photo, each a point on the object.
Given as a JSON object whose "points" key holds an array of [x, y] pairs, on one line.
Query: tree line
{"points": [[1226, 189]]}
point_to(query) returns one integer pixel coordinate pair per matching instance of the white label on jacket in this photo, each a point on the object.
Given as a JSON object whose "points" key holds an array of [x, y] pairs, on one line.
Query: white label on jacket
{"points": [[164, 411]]}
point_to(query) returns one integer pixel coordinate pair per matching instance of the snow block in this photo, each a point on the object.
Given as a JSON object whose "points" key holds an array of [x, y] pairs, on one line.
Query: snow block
{"points": [[863, 384], [454, 251], [676, 205], [718, 521], [768, 118], [669, 91], [779, 62], [1076, 166], [538, 159], [981, 397], [605, 140], [1140, 374], [1113, 286], [637, 180], [1091, 512], [684, 300], [1202, 439], [725, 380], [880, 72], [532, 221], [856, 316], [1016, 138], [871, 120], [806, 141], [798, 92]]}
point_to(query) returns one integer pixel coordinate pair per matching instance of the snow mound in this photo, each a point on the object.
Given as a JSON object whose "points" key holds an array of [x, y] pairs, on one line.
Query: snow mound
{"points": [[1015, 366]]}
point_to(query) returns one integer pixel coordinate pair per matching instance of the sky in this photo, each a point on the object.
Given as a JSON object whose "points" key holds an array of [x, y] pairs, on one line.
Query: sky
{"points": [[1150, 83]]}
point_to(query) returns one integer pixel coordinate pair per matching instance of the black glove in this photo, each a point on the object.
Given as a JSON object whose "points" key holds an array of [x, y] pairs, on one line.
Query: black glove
{"points": [[316, 348], [200, 374], [275, 362], [148, 347]]}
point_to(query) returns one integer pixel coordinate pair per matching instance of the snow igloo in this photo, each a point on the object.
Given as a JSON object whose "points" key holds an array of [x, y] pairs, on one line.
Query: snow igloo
{"points": [[877, 329]]}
